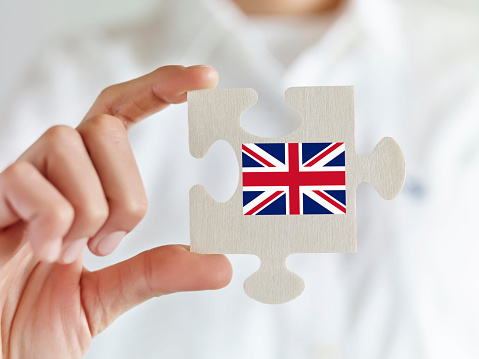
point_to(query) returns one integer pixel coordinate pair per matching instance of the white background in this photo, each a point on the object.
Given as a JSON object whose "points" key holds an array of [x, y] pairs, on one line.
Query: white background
{"points": [[28, 25]]}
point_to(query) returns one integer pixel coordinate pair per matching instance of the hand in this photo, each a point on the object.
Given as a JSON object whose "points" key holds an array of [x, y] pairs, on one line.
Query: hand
{"points": [[81, 186]]}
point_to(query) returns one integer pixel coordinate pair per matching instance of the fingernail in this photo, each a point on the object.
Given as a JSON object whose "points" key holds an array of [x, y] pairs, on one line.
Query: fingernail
{"points": [[110, 242], [74, 250], [51, 250]]}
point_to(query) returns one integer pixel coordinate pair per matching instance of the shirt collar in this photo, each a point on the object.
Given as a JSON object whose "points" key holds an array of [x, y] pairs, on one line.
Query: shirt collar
{"points": [[216, 32]]}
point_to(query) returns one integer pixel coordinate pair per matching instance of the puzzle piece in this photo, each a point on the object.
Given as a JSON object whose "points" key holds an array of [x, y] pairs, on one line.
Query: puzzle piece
{"points": [[309, 171]]}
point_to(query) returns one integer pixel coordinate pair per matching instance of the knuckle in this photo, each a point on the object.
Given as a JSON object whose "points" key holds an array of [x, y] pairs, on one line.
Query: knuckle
{"points": [[19, 171], [62, 135], [100, 125], [61, 214], [61, 141], [99, 214], [93, 216], [107, 93], [134, 208], [137, 209]]}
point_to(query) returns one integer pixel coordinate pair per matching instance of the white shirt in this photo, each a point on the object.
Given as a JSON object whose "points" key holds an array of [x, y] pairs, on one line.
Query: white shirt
{"points": [[411, 290]]}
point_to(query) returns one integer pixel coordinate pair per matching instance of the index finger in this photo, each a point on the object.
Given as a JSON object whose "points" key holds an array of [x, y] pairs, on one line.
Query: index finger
{"points": [[137, 99]]}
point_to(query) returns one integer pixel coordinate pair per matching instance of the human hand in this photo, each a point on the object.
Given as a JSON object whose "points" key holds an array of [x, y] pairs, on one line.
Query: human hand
{"points": [[81, 186]]}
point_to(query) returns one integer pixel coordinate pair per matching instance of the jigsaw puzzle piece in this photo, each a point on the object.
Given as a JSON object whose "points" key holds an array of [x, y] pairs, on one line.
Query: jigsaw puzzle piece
{"points": [[327, 114], [332, 108], [273, 282], [212, 230], [384, 168], [328, 120], [215, 115]]}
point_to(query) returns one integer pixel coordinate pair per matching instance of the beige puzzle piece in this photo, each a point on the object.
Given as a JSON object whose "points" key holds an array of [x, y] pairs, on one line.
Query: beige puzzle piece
{"points": [[328, 117]]}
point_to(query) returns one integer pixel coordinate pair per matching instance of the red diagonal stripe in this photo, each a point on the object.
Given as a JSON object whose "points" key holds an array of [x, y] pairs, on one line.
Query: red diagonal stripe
{"points": [[334, 203], [324, 154], [257, 207], [256, 156]]}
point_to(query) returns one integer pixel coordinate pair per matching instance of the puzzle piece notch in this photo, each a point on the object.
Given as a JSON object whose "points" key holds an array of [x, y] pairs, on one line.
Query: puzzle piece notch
{"points": [[222, 106], [328, 116]]}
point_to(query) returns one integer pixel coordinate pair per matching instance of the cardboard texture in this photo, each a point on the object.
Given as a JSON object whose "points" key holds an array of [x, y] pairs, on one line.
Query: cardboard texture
{"points": [[228, 228]]}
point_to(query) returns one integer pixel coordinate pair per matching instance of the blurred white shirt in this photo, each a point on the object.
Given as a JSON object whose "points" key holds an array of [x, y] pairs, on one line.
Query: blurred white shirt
{"points": [[411, 290]]}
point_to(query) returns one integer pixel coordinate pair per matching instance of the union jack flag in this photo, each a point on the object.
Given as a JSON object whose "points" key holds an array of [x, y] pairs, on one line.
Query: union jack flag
{"points": [[294, 178]]}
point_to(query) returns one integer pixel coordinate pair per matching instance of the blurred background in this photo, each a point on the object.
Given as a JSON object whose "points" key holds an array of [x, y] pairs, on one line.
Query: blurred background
{"points": [[28, 25], [414, 282]]}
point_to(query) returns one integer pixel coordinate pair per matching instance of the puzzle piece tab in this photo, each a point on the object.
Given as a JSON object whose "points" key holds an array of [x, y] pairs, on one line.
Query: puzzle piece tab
{"points": [[296, 193]]}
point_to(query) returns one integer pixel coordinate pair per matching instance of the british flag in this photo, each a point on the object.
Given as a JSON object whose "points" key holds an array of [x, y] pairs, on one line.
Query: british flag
{"points": [[294, 178]]}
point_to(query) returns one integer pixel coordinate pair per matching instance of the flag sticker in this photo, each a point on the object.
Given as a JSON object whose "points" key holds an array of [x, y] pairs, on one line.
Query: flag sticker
{"points": [[293, 178]]}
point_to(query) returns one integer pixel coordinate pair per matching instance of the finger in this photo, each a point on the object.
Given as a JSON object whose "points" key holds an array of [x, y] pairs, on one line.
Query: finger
{"points": [[139, 98], [107, 142], [110, 292], [27, 196], [60, 155]]}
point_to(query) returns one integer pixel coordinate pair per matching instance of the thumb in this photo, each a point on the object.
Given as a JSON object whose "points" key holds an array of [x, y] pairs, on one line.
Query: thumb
{"points": [[110, 292]]}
